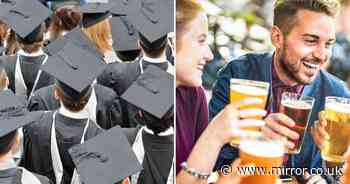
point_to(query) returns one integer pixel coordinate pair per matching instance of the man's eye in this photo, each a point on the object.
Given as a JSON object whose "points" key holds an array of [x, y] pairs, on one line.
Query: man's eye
{"points": [[310, 41]]}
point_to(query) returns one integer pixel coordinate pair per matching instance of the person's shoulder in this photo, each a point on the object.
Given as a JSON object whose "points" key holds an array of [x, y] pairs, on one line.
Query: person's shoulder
{"points": [[247, 62], [252, 57], [331, 82], [45, 91], [8, 60], [104, 92], [40, 121], [191, 92]]}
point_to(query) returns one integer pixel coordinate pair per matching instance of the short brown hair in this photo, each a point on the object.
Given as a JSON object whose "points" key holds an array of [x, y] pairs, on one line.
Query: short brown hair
{"points": [[64, 19], [285, 11], [75, 105]]}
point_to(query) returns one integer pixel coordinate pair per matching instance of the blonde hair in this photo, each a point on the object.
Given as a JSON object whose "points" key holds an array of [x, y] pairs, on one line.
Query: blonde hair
{"points": [[186, 11], [3, 79], [100, 34]]}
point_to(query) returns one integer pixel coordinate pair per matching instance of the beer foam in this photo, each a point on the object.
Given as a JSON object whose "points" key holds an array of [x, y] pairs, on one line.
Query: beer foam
{"points": [[249, 90], [296, 104], [261, 148], [338, 107]]}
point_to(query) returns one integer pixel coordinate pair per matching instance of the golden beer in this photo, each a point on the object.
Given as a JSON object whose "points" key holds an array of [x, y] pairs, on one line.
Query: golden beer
{"points": [[265, 155], [299, 109], [240, 90], [337, 114]]}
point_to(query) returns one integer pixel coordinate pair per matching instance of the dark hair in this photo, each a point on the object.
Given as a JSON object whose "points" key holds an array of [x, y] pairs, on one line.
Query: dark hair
{"points": [[129, 55], [285, 11], [154, 49], [7, 141], [34, 41], [155, 124], [12, 45], [76, 103]]}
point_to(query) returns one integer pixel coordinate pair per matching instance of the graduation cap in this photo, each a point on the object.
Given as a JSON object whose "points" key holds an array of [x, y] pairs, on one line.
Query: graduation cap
{"points": [[13, 113], [77, 37], [24, 16], [124, 34], [55, 4], [95, 11], [105, 159], [75, 69], [154, 19], [153, 92]]}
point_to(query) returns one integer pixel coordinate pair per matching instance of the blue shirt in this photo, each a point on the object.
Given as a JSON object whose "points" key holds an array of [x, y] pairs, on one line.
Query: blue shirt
{"points": [[258, 67]]}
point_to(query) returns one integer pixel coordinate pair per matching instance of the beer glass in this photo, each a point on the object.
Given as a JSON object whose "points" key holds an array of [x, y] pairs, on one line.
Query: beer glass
{"points": [[266, 156], [337, 114], [298, 108], [240, 90]]}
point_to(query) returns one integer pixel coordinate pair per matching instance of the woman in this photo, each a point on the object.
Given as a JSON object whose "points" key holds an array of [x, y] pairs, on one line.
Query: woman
{"points": [[197, 140], [101, 35], [64, 19]]}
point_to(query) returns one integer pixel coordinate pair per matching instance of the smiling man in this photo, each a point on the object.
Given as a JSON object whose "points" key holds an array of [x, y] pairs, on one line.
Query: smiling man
{"points": [[302, 34]]}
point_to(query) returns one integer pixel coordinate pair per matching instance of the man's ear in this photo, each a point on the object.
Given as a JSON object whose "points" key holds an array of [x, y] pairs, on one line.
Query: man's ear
{"points": [[277, 37]]}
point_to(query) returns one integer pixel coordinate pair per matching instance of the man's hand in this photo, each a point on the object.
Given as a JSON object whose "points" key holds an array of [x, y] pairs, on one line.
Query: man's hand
{"points": [[278, 127], [318, 131]]}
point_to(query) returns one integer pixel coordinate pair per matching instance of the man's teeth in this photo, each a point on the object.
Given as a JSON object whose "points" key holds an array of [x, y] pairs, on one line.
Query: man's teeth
{"points": [[311, 65]]}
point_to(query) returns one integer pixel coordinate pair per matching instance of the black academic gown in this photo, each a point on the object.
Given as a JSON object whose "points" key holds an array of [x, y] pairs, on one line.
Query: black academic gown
{"points": [[10, 67], [14, 176], [119, 77], [37, 145], [159, 152], [108, 110]]}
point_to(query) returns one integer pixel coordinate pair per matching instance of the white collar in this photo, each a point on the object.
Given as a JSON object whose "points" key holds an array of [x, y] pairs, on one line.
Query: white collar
{"points": [[154, 60], [75, 115], [34, 54], [167, 132], [7, 164]]}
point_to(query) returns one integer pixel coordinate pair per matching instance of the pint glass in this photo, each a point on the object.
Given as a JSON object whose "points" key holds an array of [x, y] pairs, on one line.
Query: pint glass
{"points": [[240, 90], [265, 155], [337, 114], [298, 108]]}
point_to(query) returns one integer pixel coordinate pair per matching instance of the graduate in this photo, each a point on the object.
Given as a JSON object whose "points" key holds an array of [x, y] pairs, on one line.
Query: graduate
{"points": [[13, 115], [153, 143], [46, 142], [107, 158], [103, 105], [23, 69], [153, 24]]}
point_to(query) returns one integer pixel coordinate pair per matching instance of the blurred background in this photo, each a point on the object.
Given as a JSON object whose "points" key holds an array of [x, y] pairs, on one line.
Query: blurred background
{"points": [[237, 27]]}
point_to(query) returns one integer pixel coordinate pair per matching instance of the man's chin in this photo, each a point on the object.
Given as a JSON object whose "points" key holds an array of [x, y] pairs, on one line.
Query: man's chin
{"points": [[306, 80]]}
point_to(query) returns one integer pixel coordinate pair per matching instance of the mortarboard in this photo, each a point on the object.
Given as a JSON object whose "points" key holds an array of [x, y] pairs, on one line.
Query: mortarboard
{"points": [[74, 68], [154, 19], [105, 159], [24, 16], [77, 37], [95, 11], [153, 92], [13, 113], [124, 34]]}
